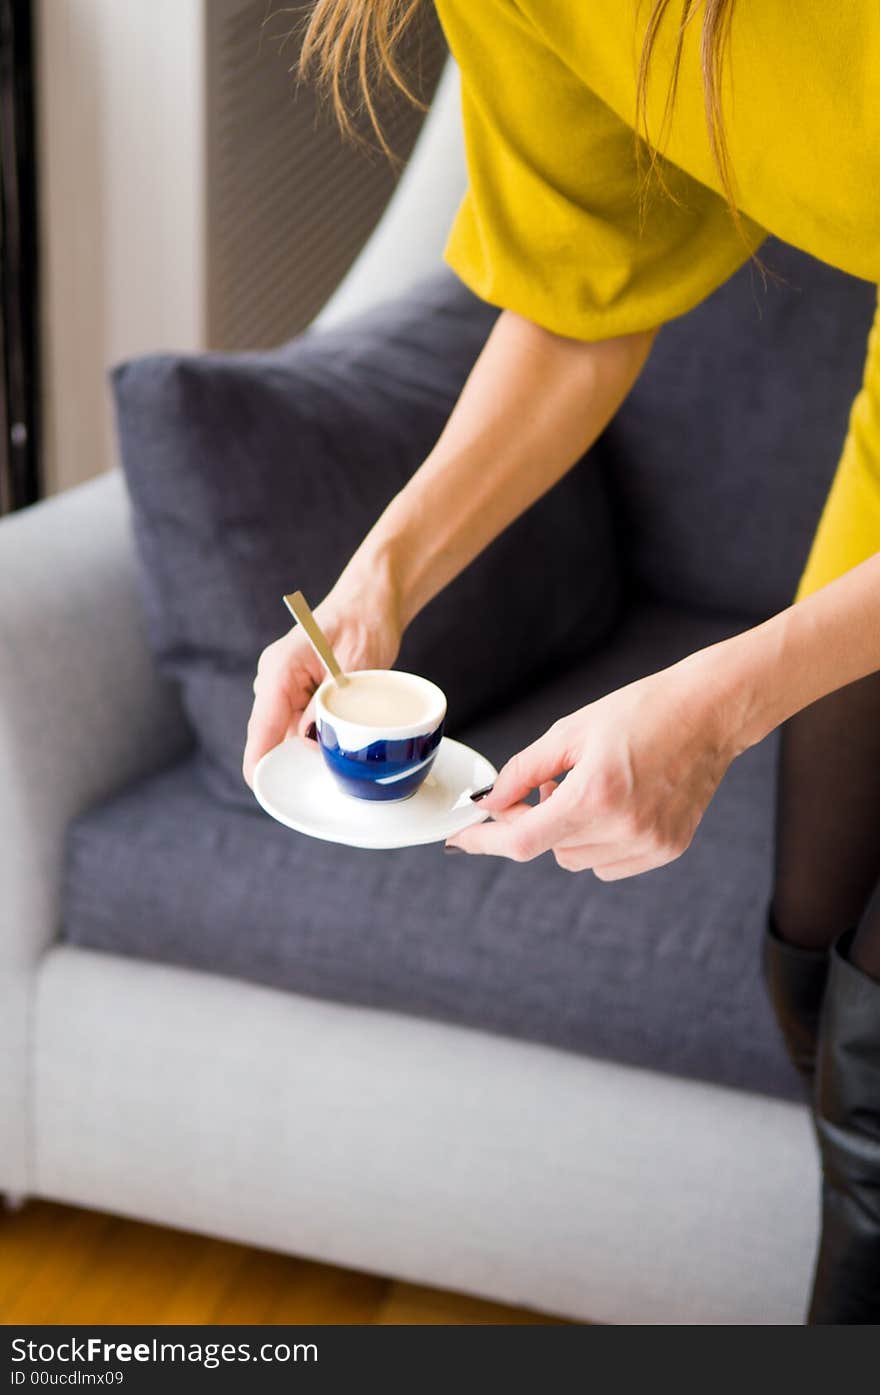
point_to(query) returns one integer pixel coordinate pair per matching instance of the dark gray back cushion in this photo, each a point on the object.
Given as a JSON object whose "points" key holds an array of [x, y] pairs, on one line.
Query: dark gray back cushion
{"points": [[251, 475], [721, 458]]}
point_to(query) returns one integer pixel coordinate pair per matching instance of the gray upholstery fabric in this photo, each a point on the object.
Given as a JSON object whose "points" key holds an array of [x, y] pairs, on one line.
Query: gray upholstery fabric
{"points": [[721, 458], [659, 971], [408, 1147], [252, 475]]}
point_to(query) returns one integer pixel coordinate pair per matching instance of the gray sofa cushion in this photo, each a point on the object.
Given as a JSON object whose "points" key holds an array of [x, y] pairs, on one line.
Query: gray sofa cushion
{"points": [[721, 457], [659, 971], [254, 474]]}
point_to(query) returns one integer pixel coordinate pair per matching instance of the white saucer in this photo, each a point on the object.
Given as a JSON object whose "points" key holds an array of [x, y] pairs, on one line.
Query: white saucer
{"points": [[293, 784]]}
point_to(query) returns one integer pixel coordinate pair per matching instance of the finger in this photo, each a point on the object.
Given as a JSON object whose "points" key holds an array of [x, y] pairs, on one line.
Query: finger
{"points": [[614, 870], [632, 867], [508, 816], [533, 830], [546, 789], [537, 764], [573, 856], [512, 813], [270, 721]]}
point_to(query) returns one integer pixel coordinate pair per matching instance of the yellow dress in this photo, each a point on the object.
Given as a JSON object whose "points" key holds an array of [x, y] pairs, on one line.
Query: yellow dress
{"points": [[552, 224]]}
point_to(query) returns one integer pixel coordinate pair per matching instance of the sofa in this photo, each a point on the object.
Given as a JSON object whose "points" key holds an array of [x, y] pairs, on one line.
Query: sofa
{"points": [[495, 1078]]}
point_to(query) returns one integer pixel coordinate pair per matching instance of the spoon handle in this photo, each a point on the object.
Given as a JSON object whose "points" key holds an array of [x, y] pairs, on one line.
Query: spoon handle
{"points": [[299, 608]]}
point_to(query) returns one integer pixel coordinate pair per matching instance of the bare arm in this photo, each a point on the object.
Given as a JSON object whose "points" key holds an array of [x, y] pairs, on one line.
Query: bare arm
{"points": [[533, 403], [643, 763], [824, 642]]}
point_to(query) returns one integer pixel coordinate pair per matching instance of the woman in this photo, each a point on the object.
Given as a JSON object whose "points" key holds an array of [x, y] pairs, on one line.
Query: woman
{"points": [[589, 239]]}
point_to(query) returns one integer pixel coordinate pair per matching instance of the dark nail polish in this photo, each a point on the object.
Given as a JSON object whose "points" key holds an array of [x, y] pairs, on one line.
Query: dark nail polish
{"points": [[481, 794], [452, 849], [312, 731]]}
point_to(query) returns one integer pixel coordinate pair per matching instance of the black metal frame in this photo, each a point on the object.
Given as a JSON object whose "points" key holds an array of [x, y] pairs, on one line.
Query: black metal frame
{"points": [[20, 474]]}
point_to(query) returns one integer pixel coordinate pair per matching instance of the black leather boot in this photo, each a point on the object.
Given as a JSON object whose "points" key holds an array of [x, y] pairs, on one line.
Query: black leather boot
{"points": [[796, 981], [846, 1287]]}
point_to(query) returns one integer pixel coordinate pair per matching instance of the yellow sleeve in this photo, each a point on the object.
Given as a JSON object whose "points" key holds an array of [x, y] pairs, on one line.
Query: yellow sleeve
{"points": [[550, 225], [849, 529]]}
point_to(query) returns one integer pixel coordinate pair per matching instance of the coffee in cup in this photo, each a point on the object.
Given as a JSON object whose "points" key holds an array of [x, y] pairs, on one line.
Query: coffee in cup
{"points": [[378, 699], [379, 732]]}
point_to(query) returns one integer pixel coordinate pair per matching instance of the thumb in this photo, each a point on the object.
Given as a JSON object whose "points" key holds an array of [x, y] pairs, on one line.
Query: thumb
{"points": [[537, 764]]}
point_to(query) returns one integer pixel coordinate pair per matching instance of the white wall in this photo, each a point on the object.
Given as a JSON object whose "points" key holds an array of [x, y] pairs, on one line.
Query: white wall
{"points": [[124, 164], [119, 111]]}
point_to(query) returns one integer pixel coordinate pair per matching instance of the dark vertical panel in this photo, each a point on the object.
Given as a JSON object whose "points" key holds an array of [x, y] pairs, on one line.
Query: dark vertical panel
{"points": [[290, 202], [19, 311]]}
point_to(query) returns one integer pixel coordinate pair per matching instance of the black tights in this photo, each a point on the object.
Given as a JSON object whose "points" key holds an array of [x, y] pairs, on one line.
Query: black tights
{"points": [[828, 824]]}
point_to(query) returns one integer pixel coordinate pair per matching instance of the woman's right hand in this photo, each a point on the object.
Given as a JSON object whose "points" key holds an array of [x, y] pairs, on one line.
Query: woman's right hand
{"points": [[365, 632]]}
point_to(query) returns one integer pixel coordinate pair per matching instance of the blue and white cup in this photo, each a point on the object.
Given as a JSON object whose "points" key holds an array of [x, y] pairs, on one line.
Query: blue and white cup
{"points": [[385, 764]]}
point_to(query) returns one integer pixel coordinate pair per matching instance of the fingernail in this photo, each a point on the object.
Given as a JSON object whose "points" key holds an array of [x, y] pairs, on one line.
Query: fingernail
{"points": [[481, 794], [312, 731], [451, 848]]}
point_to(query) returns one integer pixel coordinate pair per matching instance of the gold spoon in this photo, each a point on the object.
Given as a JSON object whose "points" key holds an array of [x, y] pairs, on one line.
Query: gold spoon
{"points": [[299, 608]]}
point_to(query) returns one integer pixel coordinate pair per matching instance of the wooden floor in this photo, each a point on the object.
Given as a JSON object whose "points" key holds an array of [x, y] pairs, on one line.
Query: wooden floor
{"points": [[63, 1265]]}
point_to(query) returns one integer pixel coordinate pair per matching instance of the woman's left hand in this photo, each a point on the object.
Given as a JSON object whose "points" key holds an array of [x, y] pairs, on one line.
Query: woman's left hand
{"points": [[640, 766]]}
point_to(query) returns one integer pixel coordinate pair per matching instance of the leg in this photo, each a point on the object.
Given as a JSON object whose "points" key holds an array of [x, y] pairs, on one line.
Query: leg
{"points": [[827, 864], [827, 853], [828, 815], [865, 953], [847, 1281]]}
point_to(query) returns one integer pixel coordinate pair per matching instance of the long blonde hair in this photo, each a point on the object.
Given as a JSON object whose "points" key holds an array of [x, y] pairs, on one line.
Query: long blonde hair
{"points": [[358, 38], [714, 45], [361, 37]]}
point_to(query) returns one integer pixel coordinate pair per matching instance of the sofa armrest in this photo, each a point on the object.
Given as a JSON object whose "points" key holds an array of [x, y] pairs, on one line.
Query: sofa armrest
{"points": [[82, 709]]}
